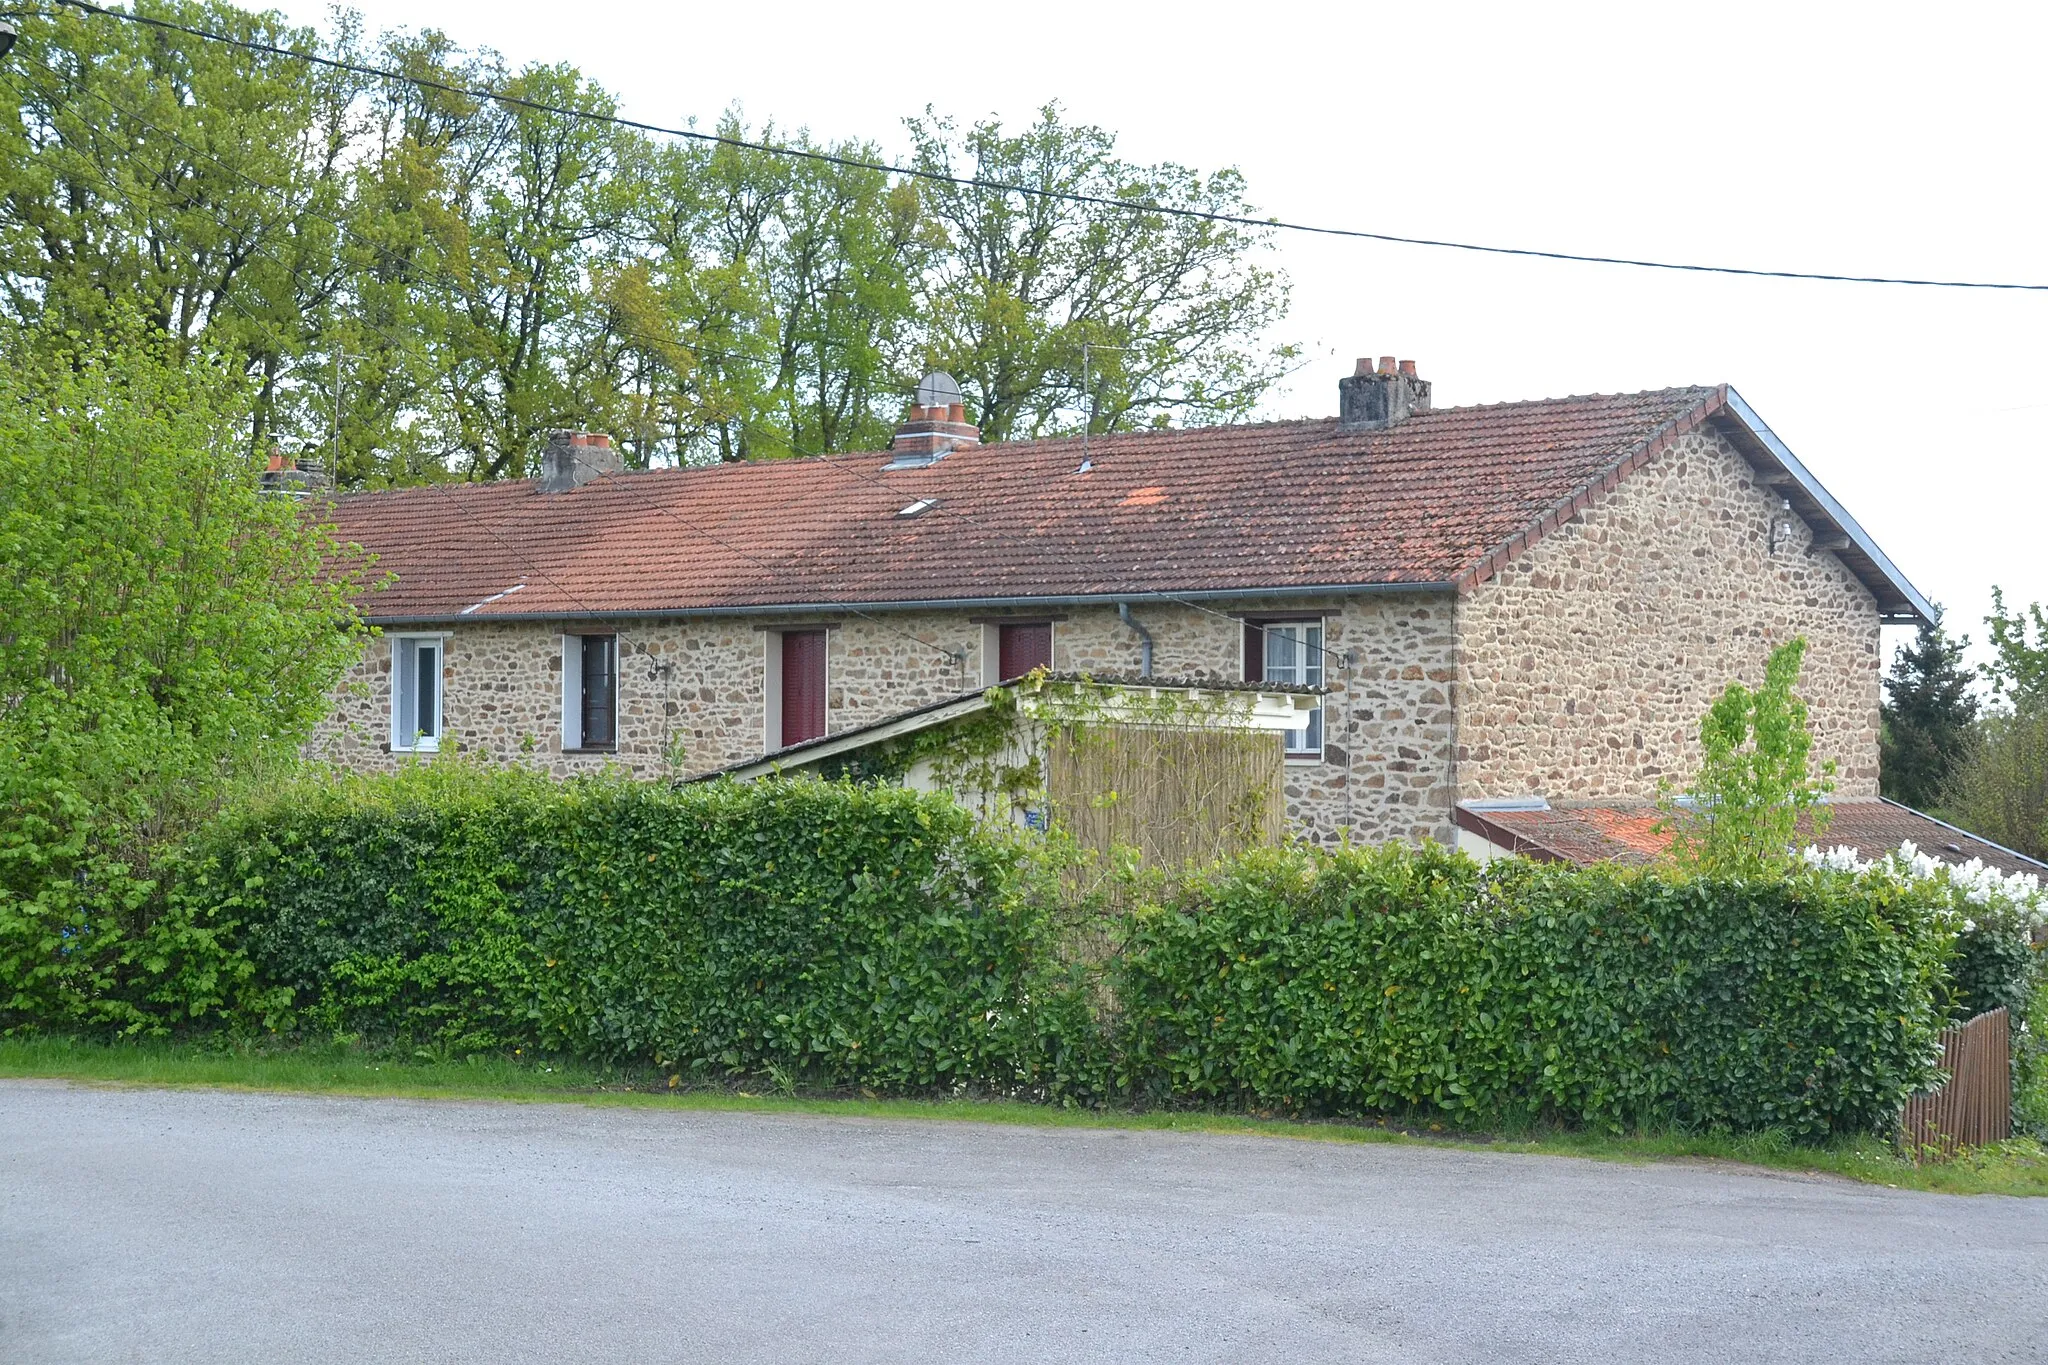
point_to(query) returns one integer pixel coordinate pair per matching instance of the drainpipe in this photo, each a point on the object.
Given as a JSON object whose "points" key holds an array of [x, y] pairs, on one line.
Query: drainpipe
{"points": [[1123, 614]]}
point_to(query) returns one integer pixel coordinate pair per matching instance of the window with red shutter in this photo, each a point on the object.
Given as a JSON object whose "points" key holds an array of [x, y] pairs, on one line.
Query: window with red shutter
{"points": [[1021, 648], [803, 685]]}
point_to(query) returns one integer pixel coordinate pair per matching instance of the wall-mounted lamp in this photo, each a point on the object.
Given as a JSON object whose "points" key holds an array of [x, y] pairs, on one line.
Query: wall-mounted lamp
{"points": [[1781, 525]]}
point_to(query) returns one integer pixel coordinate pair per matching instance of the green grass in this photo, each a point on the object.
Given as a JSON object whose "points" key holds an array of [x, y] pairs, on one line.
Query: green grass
{"points": [[2019, 1167]]}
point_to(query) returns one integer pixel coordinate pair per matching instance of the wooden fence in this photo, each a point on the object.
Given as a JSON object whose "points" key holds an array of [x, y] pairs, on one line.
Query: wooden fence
{"points": [[1975, 1106]]}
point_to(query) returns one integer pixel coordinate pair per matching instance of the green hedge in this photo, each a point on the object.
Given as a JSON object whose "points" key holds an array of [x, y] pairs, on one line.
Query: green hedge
{"points": [[850, 935], [853, 935], [1392, 978]]}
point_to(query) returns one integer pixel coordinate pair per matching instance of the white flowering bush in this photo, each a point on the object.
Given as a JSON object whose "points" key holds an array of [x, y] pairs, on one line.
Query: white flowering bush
{"points": [[1997, 916], [2014, 899]]}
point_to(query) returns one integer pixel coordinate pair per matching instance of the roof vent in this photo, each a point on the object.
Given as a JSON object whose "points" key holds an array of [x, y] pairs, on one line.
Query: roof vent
{"points": [[1377, 397], [936, 423]]}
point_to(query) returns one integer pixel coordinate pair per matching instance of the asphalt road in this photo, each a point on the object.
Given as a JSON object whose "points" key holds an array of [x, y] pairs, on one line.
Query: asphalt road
{"points": [[166, 1226]]}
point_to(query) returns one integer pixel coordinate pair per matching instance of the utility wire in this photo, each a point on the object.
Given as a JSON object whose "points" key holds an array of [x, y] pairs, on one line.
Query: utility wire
{"points": [[244, 309], [841, 463], [1004, 187], [448, 490]]}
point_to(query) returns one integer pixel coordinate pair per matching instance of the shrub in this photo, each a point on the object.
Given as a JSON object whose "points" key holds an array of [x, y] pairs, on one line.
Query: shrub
{"points": [[861, 935], [165, 630], [1391, 978], [851, 935]]}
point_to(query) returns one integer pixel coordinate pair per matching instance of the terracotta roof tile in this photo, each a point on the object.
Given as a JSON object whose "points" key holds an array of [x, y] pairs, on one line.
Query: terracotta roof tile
{"points": [[1276, 505]]}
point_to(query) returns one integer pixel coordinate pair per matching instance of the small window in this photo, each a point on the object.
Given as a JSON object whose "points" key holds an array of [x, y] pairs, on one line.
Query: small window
{"points": [[1289, 652], [590, 692], [1021, 648], [802, 686], [416, 693]]}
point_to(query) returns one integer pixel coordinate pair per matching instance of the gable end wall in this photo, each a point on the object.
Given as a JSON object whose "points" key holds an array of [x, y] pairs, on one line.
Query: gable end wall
{"points": [[1586, 665]]}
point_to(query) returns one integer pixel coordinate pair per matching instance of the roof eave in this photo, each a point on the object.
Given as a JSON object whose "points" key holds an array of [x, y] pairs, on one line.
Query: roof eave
{"points": [[855, 607], [1898, 601]]}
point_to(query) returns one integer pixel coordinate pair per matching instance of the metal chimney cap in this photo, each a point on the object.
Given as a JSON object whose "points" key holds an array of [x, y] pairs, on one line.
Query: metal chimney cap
{"points": [[939, 390]]}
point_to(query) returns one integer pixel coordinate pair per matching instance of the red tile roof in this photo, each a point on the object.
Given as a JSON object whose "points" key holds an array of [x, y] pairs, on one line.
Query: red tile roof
{"points": [[1444, 496], [1626, 833]]}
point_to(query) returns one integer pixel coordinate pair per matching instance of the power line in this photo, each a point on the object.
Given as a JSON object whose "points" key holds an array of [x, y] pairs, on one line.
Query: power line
{"points": [[842, 464], [976, 182]]}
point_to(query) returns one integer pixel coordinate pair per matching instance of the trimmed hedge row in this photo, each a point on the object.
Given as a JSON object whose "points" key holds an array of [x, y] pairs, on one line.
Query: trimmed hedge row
{"points": [[872, 936], [863, 936], [1393, 978]]}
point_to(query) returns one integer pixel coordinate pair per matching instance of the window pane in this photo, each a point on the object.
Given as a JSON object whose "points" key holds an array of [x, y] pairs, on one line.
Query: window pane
{"points": [[1294, 654], [405, 695], [600, 691], [427, 711], [1283, 653]]}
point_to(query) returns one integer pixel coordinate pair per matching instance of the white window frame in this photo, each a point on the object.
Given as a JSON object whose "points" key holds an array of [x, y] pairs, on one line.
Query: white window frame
{"points": [[1313, 661], [771, 713], [992, 647], [402, 647]]}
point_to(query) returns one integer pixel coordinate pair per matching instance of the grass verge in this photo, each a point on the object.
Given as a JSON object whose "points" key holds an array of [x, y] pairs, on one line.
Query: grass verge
{"points": [[2019, 1167]]}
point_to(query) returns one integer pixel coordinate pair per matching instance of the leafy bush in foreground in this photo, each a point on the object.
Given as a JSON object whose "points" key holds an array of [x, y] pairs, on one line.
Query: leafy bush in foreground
{"points": [[1393, 977], [850, 935]]}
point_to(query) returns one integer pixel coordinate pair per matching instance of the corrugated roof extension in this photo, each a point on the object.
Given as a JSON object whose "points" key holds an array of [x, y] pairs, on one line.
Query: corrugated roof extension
{"points": [[1441, 501]]}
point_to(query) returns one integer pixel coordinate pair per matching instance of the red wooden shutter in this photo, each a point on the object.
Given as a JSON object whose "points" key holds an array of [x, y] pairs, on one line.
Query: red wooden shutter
{"points": [[1023, 648], [803, 685], [1254, 653]]}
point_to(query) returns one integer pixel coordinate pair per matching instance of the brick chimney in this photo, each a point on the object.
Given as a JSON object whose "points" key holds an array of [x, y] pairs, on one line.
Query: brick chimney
{"points": [[1375, 398], [937, 421], [574, 458], [294, 476]]}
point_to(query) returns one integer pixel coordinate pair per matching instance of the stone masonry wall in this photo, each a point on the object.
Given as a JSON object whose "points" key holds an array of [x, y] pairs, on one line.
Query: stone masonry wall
{"points": [[1586, 666], [692, 694]]}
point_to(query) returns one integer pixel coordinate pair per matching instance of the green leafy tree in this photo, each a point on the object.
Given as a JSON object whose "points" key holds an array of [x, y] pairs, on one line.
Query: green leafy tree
{"points": [[168, 630], [421, 282], [1929, 717], [195, 182], [1755, 777], [2019, 675], [1172, 309], [2000, 787]]}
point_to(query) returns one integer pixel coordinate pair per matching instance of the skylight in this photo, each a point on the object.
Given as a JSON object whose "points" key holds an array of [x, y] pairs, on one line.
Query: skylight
{"points": [[923, 459], [920, 506]]}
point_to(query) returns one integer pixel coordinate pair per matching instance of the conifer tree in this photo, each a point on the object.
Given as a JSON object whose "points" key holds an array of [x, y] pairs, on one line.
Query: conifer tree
{"points": [[1929, 717]]}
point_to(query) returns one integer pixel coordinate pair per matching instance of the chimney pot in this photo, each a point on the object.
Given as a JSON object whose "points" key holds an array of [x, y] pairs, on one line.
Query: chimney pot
{"points": [[1375, 399], [574, 458], [1364, 365], [937, 420]]}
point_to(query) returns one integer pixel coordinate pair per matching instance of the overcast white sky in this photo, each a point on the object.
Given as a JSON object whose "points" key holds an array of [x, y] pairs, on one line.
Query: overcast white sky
{"points": [[1847, 138]]}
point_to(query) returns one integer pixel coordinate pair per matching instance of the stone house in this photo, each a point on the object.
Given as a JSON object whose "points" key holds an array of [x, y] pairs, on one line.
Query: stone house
{"points": [[1505, 602]]}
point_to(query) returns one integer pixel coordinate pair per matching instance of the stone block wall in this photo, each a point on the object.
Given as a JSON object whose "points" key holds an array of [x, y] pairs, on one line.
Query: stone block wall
{"points": [[1585, 667], [692, 693]]}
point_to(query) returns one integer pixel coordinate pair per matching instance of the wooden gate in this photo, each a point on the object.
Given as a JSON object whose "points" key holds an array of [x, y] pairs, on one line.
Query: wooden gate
{"points": [[1975, 1106]]}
